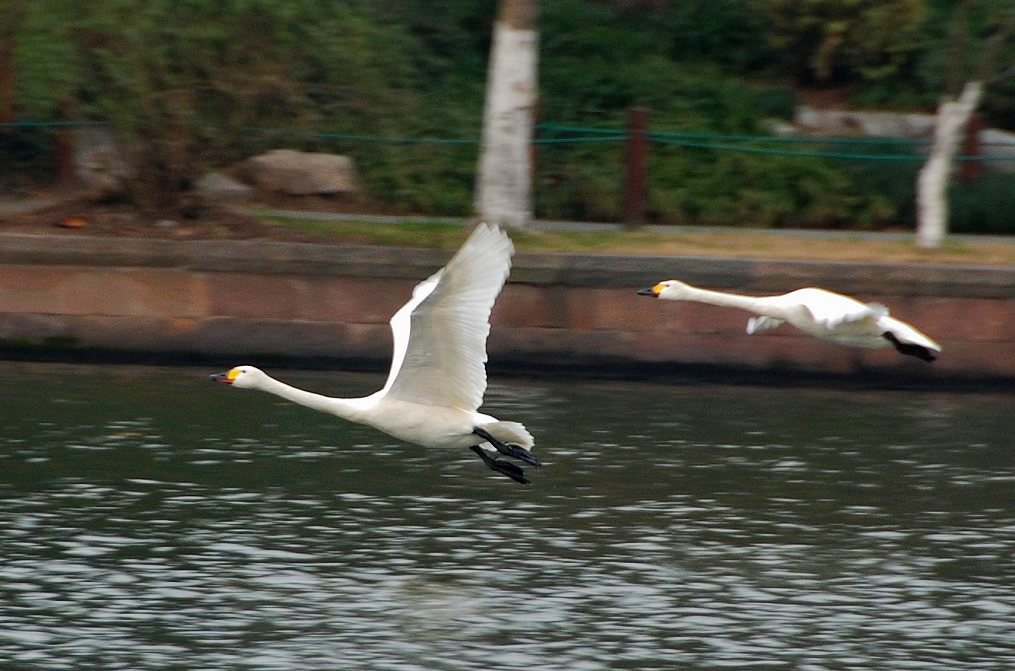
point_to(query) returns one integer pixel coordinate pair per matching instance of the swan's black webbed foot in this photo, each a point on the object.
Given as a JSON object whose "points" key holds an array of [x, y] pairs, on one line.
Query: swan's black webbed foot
{"points": [[513, 471], [919, 351], [509, 449]]}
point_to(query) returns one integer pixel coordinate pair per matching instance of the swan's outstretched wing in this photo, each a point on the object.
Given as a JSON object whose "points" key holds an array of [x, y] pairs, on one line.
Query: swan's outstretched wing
{"points": [[401, 324], [440, 334], [762, 323], [834, 311]]}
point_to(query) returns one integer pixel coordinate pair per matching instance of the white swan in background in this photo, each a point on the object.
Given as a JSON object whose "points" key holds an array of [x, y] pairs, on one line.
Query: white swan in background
{"points": [[437, 376], [821, 313]]}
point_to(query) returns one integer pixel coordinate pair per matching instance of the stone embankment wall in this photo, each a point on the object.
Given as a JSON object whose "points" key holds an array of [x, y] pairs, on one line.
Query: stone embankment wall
{"points": [[229, 302]]}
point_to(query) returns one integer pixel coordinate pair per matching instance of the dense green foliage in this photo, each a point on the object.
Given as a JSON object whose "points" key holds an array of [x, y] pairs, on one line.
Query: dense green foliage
{"points": [[190, 85]]}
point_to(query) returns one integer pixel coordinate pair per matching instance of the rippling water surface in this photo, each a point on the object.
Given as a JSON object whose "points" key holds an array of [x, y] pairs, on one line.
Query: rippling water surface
{"points": [[152, 520]]}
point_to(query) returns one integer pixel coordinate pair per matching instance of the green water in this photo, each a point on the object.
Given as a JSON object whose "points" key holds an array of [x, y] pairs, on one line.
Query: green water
{"points": [[151, 519]]}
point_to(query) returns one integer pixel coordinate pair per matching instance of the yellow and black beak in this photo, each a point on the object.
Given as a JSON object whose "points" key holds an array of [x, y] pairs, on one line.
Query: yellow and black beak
{"points": [[654, 291], [224, 378]]}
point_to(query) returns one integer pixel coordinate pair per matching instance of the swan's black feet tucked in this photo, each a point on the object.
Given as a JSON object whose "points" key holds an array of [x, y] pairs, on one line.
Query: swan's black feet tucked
{"points": [[513, 471], [919, 351], [508, 449]]}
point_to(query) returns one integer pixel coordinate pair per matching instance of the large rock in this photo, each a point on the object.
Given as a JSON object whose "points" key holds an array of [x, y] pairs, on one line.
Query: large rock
{"points": [[300, 173], [99, 163], [996, 147], [999, 147], [218, 187], [864, 123]]}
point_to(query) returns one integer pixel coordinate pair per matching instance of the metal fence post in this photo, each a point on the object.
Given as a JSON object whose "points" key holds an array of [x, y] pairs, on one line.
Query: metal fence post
{"points": [[970, 170], [637, 151]]}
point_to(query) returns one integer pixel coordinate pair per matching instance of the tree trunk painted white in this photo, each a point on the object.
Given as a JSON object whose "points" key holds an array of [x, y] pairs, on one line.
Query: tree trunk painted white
{"points": [[932, 183], [504, 182]]}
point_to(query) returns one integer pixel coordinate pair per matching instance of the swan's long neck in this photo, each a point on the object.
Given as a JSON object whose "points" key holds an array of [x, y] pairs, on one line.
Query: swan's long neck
{"points": [[750, 303], [346, 408]]}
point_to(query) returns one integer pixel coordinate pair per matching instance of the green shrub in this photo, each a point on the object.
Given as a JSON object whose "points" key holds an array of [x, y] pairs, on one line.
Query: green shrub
{"points": [[29, 157], [983, 206], [194, 84]]}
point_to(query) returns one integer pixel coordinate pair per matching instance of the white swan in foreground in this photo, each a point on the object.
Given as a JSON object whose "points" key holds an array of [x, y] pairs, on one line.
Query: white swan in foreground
{"points": [[823, 314], [437, 376]]}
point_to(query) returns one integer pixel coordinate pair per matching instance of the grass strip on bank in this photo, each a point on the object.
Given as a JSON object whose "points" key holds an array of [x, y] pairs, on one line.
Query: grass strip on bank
{"points": [[652, 241]]}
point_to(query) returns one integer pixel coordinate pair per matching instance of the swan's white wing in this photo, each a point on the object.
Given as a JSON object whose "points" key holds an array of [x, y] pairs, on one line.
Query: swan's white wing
{"points": [[401, 323], [834, 311], [762, 323], [440, 334]]}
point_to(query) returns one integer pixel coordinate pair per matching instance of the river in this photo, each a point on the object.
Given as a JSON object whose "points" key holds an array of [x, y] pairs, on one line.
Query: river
{"points": [[150, 519]]}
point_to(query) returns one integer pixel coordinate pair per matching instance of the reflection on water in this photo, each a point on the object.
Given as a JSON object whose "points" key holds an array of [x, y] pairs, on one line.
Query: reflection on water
{"points": [[150, 519]]}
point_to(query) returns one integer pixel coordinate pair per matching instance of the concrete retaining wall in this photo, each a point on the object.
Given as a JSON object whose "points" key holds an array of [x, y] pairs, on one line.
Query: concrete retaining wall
{"points": [[237, 301]]}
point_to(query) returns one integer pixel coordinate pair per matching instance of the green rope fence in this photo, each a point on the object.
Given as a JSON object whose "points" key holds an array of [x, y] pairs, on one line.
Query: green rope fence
{"points": [[563, 134]]}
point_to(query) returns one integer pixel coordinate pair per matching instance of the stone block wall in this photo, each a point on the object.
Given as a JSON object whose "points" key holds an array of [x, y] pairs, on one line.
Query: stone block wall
{"points": [[246, 301]]}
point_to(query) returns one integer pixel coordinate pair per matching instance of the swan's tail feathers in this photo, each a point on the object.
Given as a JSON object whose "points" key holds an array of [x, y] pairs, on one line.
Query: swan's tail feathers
{"points": [[919, 351], [511, 432], [508, 438], [756, 324], [908, 339], [908, 333]]}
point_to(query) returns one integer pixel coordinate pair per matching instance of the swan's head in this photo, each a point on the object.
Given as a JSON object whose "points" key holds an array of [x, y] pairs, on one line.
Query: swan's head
{"points": [[241, 376], [672, 290]]}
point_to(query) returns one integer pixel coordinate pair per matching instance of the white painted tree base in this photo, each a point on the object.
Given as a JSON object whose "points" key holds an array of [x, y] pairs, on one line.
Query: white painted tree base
{"points": [[932, 183], [504, 183]]}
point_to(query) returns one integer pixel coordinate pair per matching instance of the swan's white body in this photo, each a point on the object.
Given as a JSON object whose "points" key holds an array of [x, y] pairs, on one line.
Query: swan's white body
{"points": [[818, 312], [438, 374]]}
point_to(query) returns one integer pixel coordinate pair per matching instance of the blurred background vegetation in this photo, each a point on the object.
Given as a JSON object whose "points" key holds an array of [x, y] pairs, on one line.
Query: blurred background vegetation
{"points": [[192, 85]]}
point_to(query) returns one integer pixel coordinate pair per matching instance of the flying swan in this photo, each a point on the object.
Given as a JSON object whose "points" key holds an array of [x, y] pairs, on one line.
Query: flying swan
{"points": [[437, 377], [821, 313]]}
